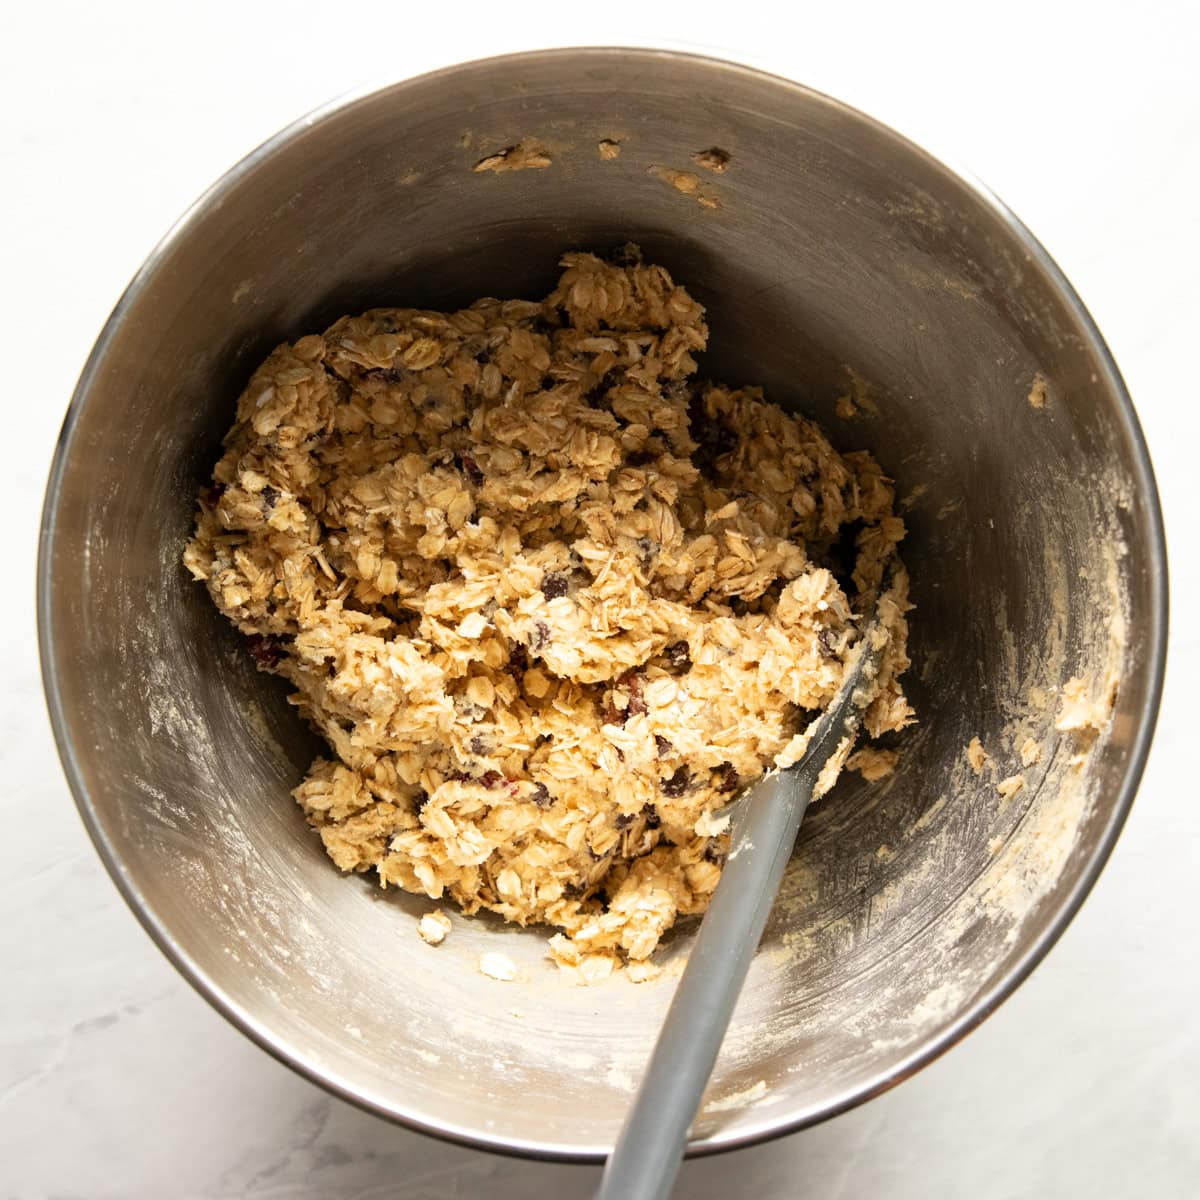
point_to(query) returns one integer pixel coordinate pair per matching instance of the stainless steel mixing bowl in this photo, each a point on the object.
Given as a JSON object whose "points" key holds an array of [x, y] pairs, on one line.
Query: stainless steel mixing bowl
{"points": [[912, 907]]}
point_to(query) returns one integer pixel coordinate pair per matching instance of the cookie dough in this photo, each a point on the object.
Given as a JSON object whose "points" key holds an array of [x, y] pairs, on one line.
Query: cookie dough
{"points": [[977, 756], [434, 927], [551, 600]]}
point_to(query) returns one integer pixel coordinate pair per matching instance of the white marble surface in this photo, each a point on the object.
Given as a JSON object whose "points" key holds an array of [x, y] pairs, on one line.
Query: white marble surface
{"points": [[115, 1079]]}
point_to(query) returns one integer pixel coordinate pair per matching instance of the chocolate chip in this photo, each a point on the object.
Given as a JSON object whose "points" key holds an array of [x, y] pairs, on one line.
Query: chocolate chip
{"points": [[662, 745], [269, 495], [541, 796], [726, 779], [739, 606], [653, 820], [478, 745], [518, 659], [539, 636], [828, 640], [554, 585], [211, 495], [714, 854], [624, 820], [679, 657], [677, 784], [491, 779], [266, 649]]}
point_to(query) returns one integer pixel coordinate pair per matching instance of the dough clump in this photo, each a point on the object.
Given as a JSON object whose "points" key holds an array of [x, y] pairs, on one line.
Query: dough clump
{"points": [[551, 600]]}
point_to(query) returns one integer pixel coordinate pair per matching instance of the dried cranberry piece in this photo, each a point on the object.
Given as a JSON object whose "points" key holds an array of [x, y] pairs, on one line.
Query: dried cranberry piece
{"points": [[266, 649], [554, 585], [635, 682], [679, 657], [470, 469]]}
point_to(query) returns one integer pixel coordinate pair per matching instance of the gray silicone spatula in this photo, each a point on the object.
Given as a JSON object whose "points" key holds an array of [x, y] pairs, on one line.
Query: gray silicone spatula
{"points": [[646, 1158]]}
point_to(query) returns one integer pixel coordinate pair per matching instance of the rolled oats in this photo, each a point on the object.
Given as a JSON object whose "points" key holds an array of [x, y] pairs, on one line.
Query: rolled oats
{"points": [[549, 599]]}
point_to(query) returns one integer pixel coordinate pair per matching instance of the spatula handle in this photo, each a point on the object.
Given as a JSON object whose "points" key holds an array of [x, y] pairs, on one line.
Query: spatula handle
{"points": [[646, 1160]]}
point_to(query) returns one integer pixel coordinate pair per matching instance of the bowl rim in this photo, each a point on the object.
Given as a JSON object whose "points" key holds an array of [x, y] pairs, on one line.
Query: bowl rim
{"points": [[931, 1046]]}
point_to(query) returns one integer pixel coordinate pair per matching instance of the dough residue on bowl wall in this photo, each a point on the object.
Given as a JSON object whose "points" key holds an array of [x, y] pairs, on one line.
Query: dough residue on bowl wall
{"points": [[688, 183], [526, 155]]}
